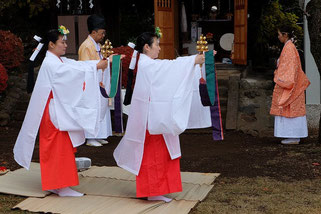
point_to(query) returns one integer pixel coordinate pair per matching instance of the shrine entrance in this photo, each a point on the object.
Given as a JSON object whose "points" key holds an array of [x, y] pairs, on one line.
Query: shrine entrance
{"points": [[223, 22]]}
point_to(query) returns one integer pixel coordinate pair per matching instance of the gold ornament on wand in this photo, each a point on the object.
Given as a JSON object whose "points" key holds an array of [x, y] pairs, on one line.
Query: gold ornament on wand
{"points": [[106, 49], [202, 47]]}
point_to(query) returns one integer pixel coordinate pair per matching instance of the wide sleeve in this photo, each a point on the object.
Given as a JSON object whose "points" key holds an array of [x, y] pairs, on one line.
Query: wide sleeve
{"points": [[171, 94], [286, 75], [75, 89]]}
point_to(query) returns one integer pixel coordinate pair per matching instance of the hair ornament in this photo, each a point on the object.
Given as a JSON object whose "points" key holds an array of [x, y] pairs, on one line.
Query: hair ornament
{"points": [[158, 32], [63, 31]]}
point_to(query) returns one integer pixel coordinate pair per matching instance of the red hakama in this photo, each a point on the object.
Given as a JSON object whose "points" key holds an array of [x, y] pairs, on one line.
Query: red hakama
{"points": [[57, 158], [159, 174]]}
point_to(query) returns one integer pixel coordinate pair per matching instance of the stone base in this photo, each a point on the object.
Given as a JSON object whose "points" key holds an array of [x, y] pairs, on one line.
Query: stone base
{"points": [[313, 118], [255, 97]]}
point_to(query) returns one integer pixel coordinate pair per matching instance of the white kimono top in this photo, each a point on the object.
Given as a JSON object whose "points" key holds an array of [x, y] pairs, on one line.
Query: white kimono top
{"points": [[161, 104], [74, 107]]}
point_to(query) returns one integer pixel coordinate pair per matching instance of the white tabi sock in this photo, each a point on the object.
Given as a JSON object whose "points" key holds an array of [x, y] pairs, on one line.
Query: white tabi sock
{"points": [[159, 198], [291, 141], [67, 191], [53, 191]]}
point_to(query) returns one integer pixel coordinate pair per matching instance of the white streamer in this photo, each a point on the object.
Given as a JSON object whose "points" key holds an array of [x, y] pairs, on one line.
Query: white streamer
{"points": [[38, 48], [91, 5], [134, 56], [68, 6]]}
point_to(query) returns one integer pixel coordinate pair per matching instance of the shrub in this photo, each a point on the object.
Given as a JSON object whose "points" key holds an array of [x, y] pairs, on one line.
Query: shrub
{"points": [[3, 78], [266, 44], [11, 54]]}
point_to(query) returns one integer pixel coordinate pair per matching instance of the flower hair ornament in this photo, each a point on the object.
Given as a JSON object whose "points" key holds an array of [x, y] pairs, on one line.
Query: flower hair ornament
{"points": [[158, 32], [63, 31]]}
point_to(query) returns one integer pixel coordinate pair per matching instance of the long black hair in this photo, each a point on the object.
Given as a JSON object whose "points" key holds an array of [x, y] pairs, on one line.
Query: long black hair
{"points": [[286, 29], [144, 38], [50, 36]]}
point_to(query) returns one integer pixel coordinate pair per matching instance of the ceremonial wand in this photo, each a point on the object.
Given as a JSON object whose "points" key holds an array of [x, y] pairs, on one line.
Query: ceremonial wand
{"points": [[106, 51], [201, 47]]}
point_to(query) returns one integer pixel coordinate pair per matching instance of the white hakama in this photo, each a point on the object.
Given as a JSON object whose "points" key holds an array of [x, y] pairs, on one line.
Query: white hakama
{"points": [[295, 127]]}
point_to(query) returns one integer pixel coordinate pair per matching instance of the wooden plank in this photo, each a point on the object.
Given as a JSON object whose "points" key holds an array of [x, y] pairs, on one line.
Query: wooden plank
{"points": [[232, 102]]}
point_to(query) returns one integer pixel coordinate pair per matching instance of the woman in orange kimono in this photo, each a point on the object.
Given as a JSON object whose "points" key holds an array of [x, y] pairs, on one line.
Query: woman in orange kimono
{"points": [[288, 102]]}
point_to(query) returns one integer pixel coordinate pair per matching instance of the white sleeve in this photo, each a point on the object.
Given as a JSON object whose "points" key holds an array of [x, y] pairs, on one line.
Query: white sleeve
{"points": [[171, 95], [75, 89]]}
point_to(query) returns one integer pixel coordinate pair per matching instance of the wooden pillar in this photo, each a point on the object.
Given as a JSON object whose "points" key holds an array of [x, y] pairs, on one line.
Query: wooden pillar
{"points": [[165, 20], [240, 32]]}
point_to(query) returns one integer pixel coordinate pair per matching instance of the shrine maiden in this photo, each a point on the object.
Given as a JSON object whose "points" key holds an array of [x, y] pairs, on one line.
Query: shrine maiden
{"points": [[64, 103], [159, 112]]}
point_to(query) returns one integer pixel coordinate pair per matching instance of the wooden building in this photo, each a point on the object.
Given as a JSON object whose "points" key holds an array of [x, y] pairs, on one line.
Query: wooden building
{"points": [[167, 18], [167, 14]]}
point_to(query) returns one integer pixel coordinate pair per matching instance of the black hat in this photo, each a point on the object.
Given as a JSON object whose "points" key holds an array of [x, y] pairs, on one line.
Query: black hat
{"points": [[95, 22]]}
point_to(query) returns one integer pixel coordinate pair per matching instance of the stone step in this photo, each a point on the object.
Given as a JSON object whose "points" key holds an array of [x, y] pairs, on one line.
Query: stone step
{"points": [[223, 66], [222, 82], [227, 73]]}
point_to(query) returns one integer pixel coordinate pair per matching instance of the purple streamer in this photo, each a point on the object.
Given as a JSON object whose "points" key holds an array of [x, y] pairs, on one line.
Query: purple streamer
{"points": [[214, 109], [118, 115], [216, 118], [103, 92], [205, 99]]}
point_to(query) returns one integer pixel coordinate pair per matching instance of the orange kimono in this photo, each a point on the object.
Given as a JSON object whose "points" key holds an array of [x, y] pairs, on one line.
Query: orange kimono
{"points": [[288, 95], [87, 50]]}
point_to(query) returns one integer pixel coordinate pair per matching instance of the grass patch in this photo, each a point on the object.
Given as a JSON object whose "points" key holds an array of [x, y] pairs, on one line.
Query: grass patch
{"points": [[9, 201], [262, 195]]}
